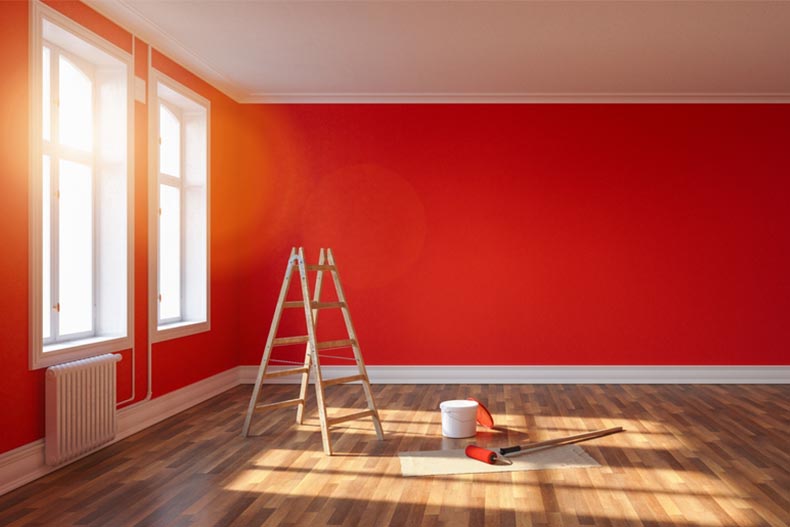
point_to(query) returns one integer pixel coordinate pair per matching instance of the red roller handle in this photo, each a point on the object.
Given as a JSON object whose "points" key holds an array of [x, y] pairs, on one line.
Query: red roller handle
{"points": [[481, 454]]}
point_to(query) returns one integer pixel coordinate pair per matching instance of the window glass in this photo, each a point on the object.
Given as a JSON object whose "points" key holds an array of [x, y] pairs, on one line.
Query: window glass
{"points": [[46, 96], [170, 252], [170, 147], [81, 192], [75, 240], [75, 116], [45, 248]]}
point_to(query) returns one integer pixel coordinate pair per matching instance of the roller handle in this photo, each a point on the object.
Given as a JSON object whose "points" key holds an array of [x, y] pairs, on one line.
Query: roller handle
{"points": [[561, 440], [481, 454]]}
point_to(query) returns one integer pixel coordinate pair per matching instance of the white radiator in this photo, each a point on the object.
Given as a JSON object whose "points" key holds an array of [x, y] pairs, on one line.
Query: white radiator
{"points": [[80, 407]]}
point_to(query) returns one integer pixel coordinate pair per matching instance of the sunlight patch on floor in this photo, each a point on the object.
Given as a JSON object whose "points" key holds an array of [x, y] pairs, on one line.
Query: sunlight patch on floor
{"points": [[448, 498]]}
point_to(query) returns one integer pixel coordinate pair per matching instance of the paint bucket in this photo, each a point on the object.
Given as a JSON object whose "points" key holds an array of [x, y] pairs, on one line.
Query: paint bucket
{"points": [[459, 418]]}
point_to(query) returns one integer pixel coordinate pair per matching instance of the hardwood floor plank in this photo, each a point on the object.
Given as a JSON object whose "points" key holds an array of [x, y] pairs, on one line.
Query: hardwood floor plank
{"points": [[701, 456]]}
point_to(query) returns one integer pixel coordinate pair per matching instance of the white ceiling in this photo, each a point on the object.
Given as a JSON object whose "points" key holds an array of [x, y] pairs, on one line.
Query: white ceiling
{"points": [[473, 51]]}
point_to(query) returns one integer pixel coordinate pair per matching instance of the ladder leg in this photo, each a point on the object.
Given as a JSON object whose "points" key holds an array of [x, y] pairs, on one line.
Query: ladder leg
{"points": [[319, 395], [319, 383], [278, 311], [303, 387], [357, 352], [307, 356], [372, 408]]}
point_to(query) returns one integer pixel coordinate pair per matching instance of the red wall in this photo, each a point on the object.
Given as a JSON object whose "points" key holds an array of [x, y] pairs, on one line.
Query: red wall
{"points": [[531, 234], [176, 363]]}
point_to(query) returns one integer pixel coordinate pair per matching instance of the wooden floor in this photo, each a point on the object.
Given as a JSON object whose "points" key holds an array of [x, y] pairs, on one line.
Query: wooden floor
{"points": [[691, 456]]}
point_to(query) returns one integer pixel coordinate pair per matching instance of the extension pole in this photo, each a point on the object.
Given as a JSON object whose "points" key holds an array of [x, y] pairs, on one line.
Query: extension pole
{"points": [[490, 456]]}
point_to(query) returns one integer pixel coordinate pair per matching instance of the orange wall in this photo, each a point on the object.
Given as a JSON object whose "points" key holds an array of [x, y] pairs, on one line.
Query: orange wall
{"points": [[180, 362], [21, 390], [176, 363]]}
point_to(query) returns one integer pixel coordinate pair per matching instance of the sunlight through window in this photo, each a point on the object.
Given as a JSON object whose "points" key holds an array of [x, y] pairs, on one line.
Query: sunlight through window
{"points": [[75, 238], [79, 302], [170, 252], [170, 148], [181, 248], [75, 116], [46, 99], [46, 240]]}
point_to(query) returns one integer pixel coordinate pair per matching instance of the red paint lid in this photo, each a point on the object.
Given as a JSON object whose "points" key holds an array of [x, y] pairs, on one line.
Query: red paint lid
{"points": [[483, 415]]}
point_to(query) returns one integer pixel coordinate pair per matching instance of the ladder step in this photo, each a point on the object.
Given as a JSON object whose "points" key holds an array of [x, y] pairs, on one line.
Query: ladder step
{"points": [[314, 305], [280, 404], [350, 417], [332, 344], [311, 267], [286, 341], [327, 305], [329, 344], [282, 373], [343, 380]]}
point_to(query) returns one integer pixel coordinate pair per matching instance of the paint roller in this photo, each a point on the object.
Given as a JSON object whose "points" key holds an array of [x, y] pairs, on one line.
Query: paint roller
{"points": [[491, 456]]}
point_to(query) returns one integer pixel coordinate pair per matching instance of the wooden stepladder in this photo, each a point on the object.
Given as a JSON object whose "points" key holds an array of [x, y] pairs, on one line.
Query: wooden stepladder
{"points": [[326, 263]]}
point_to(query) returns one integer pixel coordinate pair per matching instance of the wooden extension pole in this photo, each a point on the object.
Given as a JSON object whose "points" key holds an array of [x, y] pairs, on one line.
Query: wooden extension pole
{"points": [[489, 456], [561, 440]]}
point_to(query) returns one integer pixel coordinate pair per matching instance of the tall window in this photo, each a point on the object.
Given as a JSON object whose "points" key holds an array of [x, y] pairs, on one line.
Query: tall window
{"points": [[170, 190], [68, 172], [80, 193], [182, 189]]}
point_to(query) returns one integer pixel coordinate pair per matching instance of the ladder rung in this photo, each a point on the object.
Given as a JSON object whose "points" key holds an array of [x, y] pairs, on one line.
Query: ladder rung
{"points": [[282, 373], [349, 417], [314, 305], [281, 404], [327, 305], [332, 344], [343, 380], [285, 341], [311, 267]]}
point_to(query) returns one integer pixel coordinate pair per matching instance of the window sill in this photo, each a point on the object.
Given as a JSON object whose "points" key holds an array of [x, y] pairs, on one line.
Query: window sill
{"points": [[180, 329], [61, 352]]}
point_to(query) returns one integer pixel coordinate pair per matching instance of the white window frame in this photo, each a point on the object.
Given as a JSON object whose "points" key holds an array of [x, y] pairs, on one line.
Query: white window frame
{"points": [[43, 354], [181, 327], [57, 153]]}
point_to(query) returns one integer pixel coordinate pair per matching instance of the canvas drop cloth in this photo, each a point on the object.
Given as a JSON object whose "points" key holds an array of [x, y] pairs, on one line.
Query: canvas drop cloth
{"points": [[444, 462]]}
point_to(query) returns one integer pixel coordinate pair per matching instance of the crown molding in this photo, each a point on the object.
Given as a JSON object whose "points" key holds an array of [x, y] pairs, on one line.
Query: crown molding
{"points": [[516, 98]]}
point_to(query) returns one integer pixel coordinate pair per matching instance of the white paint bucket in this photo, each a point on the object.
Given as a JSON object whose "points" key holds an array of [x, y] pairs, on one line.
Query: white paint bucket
{"points": [[459, 418]]}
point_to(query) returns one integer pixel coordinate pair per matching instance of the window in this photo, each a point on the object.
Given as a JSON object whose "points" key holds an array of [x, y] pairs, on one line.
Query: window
{"points": [[179, 123], [67, 178], [80, 192]]}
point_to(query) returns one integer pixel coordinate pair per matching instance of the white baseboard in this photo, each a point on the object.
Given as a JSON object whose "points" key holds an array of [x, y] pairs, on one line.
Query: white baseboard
{"points": [[548, 374], [26, 463], [140, 416], [22, 465]]}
